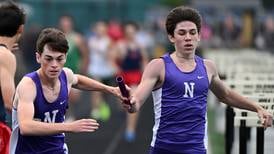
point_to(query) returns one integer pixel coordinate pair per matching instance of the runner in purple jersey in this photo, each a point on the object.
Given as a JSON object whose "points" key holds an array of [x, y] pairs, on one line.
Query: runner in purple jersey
{"points": [[41, 100], [179, 83]]}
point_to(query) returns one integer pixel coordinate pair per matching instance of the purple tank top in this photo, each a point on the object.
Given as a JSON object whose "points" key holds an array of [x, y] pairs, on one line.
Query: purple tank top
{"points": [[44, 111], [180, 109]]}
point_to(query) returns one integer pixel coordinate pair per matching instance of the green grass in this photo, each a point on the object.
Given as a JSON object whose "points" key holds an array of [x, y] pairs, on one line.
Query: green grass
{"points": [[216, 139]]}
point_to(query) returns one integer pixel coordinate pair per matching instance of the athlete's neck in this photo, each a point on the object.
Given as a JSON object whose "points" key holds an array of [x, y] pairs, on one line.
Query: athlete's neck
{"points": [[184, 57], [49, 82], [7, 41]]}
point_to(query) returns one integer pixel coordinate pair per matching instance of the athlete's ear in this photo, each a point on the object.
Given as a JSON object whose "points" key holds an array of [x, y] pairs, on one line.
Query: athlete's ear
{"points": [[199, 37], [171, 38], [38, 57], [20, 29]]}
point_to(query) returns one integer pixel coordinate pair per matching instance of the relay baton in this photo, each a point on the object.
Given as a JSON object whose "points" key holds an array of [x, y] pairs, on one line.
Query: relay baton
{"points": [[122, 88]]}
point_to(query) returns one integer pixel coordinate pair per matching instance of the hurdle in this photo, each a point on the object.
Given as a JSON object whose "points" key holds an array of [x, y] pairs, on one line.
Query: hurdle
{"points": [[244, 119], [262, 93], [251, 76]]}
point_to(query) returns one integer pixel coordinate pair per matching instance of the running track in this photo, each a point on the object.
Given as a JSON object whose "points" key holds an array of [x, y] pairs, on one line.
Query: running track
{"points": [[108, 139]]}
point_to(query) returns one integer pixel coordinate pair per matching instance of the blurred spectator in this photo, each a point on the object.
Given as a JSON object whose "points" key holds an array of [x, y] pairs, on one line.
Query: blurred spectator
{"points": [[247, 34], [229, 32], [206, 35], [267, 34], [162, 44], [145, 39], [115, 30], [131, 58], [206, 31], [28, 46], [100, 56], [206, 38], [77, 56]]}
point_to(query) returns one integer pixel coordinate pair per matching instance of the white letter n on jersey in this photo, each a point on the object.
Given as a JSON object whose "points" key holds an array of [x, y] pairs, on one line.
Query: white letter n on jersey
{"points": [[189, 90], [48, 118]]}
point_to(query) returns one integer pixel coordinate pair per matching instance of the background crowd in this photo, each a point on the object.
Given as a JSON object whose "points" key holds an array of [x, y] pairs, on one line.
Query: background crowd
{"points": [[117, 37]]}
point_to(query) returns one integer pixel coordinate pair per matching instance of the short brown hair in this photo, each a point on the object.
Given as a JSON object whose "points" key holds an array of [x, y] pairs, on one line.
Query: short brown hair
{"points": [[54, 38]]}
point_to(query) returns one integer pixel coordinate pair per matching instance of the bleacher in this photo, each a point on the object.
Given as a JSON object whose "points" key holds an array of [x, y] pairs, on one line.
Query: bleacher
{"points": [[250, 73]]}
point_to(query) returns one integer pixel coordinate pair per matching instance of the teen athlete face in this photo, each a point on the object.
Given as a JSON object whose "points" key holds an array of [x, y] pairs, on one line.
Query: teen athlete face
{"points": [[130, 32], [51, 62], [186, 37]]}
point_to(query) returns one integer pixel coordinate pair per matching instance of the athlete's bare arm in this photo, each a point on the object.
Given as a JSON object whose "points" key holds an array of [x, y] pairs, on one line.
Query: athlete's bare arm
{"points": [[152, 79], [25, 95], [7, 73], [229, 97], [84, 83]]}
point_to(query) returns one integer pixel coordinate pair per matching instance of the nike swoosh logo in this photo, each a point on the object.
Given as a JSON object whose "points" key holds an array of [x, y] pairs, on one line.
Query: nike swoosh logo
{"points": [[200, 77], [62, 102]]}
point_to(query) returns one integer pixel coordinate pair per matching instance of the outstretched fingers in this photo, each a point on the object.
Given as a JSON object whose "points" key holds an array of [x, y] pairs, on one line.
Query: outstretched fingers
{"points": [[87, 125]]}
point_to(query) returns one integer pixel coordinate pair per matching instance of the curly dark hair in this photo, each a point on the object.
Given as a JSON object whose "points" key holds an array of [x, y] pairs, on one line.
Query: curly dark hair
{"points": [[182, 13]]}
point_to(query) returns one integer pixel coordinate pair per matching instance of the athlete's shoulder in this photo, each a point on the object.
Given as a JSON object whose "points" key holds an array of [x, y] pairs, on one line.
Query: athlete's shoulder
{"points": [[26, 80], [156, 63], [26, 84], [71, 79], [7, 57], [210, 66], [209, 63], [69, 73], [155, 68]]}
